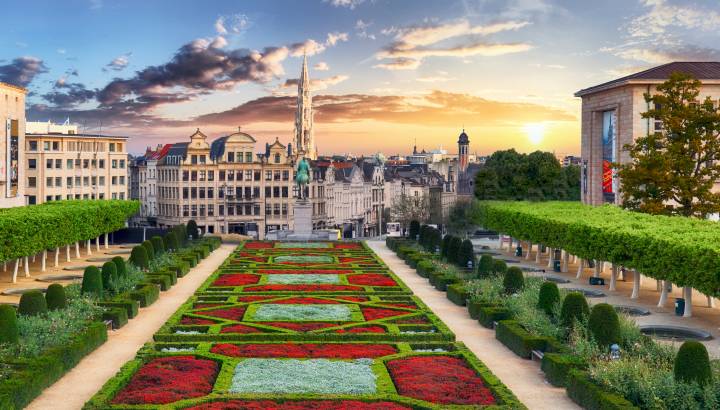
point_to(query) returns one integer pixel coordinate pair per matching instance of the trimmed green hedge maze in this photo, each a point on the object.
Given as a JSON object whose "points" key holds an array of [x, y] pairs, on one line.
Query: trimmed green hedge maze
{"points": [[319, 325]]}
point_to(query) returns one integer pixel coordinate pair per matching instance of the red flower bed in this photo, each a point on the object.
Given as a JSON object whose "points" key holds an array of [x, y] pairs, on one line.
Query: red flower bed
{"points": [[305, 350], [347, 246], [236, 279], [351, 259], [362, 329], [169, 379], [196, 321], [352, 298], [258, 245], [305, 271], [439, 379], [242, 329], [301, 288], [372, 313], [206, 305], [371, 279], [301, 327], [403, 305], [299, 405], [253, 298], [232, 313]]}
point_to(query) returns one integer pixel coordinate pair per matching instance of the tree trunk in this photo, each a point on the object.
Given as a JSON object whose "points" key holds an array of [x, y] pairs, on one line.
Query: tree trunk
{"points": [[15, 270], [581, 269], [57, 256], [598, 268], [88, 247], [97, 244], [613, 278], [529, 251], [42, 263], [77, 250], [663, 294], [106, 241], [687, 294], [550, 258], [636, 285], [26, 266], [565, 262]]}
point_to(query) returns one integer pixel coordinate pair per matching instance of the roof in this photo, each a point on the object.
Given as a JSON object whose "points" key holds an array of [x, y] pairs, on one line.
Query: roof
{"points": [[463, 138], [705, 70], [178, 149], [13, 86], [59, 135], [159, 153]]}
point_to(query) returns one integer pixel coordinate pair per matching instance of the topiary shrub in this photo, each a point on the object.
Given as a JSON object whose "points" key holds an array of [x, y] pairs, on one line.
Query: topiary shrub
{"points": [[139, 257], [158, 245], [549, 297], [414, 229], [485, 266], [120, 266], [32, 303], [149, 249], [513, 281], [170, 241], [499, 266], [9, 332], [192, 229], [465, 253], [604, 325], [109, 275], [422, 235], [692, 364], [55, 297], [92, 281], [454, 249], [445, 246], [574, 307]]}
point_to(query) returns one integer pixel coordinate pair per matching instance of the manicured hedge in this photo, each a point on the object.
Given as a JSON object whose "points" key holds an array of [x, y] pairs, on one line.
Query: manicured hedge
{"points": [[27, 230], [520, 341], [146, 294], [488, 315], [117, 315], [591, 396], [557, 366], [457, 294], [658, 246], [32, 376]]}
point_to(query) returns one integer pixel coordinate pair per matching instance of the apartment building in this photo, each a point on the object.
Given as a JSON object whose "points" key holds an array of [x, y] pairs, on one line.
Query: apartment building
{"points": [[61, 163], [226, 187], [143, 184], [12, 157]]}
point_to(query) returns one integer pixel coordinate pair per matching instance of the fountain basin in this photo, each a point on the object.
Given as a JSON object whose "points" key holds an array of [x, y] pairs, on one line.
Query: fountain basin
{"points": [[589, 293], [631, 310], [679, 333]]}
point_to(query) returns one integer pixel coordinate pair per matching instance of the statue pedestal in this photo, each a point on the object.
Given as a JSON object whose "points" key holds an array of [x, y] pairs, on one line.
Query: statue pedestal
{"points": [[302, 214]]}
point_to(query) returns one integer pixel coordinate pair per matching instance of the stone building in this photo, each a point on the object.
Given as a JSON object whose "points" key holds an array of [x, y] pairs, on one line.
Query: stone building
{"points": [[226, 187], [611, 118], [61, 163], [12, 142], [143, 184]]}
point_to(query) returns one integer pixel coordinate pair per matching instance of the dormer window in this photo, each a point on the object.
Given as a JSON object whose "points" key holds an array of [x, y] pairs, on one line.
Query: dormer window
{"points": [[277, 158]]}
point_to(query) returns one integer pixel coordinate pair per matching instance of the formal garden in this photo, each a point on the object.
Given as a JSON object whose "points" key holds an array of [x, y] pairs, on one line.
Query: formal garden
{"points": [[598, 354], [317, 325], [49, 333]]}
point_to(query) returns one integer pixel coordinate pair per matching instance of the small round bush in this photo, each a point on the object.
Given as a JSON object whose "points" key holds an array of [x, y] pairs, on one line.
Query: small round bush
{"points": [[139, 257], [465, 253], [149, 249], [32, 303], [120, 266], [9, 332], [692, 364], [55, 297], [485, 266], [549, 297], [109, 275], [604, 325], [414, 229], [92, 282], [513, 281], [192, 229], [158, 245], [574, 307], [499, 266]]}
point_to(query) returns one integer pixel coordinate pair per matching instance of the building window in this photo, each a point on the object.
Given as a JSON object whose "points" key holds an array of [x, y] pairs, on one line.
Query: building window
{"points": [[248, 157], [276, 175], [122, 163], [268, 193], [69, 182], [31, 200], [221, 175], [284, 209], [32, 163], [285, 175], [32, 182], [49, 182], [221, 210], [256, 175], [58, 182], [239, 156], [268, 175], [86, 164], [194, 159], [202, 159], [114, 164], [230, 157], [211, 175], [268, 209], [102, 181], [211, 210], [276, 209], [48, 163], [210, 193], [277, 158], [114, 180], [657, 124], [284, 192], [248, 194], [193, 175], [32, 145], [256, 192], [46, 145], [230, 175], [186, 210], [276, 192]]}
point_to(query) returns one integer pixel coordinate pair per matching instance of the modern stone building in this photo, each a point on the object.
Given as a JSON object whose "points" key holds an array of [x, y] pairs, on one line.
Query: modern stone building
{"points": [[12, 141], [226, 187], [61, 163], [611, 118]]}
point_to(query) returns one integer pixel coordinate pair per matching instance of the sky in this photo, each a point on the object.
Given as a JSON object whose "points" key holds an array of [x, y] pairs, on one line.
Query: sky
{"points": [[386, 74]]}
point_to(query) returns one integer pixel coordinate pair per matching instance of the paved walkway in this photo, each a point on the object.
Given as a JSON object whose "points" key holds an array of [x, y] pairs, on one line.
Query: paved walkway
{"points": [[522, 376], [82, 382]]}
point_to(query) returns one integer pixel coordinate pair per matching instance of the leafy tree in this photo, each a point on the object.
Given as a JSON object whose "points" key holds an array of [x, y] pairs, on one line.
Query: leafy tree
{"points": [[673, 171], [410, 208], [414, 229], [460, 220]]}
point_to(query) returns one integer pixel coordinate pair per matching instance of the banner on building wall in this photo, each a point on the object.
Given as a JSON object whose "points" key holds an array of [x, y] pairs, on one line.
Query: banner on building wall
{"points": [[609, 132]]}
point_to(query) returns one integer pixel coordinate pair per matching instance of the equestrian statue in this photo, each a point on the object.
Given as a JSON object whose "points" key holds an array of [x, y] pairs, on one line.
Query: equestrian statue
{"points": [[302, 178]]}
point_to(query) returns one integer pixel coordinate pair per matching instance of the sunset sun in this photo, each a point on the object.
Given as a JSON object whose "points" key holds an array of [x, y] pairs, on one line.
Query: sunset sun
{"points": [[535, 132]]}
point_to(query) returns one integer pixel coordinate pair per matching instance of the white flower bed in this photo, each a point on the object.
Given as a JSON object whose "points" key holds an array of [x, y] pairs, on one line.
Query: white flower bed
{"points": [[280, 312], [302, 279]]}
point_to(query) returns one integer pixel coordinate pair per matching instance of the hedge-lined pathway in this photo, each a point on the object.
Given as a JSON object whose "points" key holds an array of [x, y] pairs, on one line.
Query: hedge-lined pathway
{"points": [[522, 376], [78, 385]]}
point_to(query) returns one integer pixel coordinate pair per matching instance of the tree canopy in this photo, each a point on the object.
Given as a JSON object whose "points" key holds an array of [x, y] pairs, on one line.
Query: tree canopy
{"points": [[538, 176]]}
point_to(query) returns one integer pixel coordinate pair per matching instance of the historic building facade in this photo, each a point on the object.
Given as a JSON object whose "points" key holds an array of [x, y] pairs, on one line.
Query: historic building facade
{"points": [[226, 187], [61, 163], [611, 118], [12, 143]]}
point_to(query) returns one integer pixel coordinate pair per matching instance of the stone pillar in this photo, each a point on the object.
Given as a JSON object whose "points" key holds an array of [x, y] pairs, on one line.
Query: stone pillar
{"points": [[636, 285], [687, 294], [581, 269]]}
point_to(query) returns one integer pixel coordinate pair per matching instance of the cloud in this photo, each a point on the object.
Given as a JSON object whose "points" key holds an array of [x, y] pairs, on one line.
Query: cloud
{"points": [[316, 84], [219, 42], [118, 63], [434, 79], [661, 55], [66, 94], [232, 24], [335, 37], [321, 66], [399, 64], [361, 29], [96, 4], [421, 41], [61, 51], [351, 4], [309, 47], [662, 16], [22, 70], [436, 108]]}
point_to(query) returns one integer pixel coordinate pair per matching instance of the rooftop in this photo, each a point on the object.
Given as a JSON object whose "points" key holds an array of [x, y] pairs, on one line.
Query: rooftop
{"points": [[705, 70], [61, 135]]}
